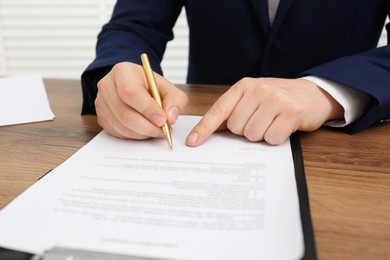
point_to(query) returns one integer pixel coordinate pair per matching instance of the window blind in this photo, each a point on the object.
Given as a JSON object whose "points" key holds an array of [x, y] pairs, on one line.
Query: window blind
{"points": [[57, 38], [54, 38]]}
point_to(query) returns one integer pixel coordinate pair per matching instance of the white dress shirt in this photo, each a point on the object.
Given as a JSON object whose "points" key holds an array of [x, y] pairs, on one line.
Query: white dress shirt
{"points": [[353, 101], [272, 7]]}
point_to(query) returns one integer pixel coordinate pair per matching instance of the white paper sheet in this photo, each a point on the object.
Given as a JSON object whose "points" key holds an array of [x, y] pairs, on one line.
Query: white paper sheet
{"points": [[227, 199], [23, 99]]}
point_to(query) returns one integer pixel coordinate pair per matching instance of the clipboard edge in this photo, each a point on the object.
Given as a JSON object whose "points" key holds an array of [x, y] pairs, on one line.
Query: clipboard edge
{"points": [[303, 196]]}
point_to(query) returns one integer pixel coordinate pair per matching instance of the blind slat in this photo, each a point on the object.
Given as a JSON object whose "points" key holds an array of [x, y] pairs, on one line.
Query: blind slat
{"points": [[57, 38]]}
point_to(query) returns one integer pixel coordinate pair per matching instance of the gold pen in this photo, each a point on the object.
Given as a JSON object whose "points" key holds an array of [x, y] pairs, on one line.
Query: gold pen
{"points": [[156, 95]]}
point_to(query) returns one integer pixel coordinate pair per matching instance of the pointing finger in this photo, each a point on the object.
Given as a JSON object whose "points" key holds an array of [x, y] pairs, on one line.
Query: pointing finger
{"points": [[214, 117]]}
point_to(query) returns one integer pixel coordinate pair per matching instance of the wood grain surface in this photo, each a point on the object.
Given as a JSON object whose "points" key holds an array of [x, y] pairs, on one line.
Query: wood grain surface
{"points": [[348, 176]]}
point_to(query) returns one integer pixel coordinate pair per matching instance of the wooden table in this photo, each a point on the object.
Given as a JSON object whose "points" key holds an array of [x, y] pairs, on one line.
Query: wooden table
{"points": [[348, 176]]}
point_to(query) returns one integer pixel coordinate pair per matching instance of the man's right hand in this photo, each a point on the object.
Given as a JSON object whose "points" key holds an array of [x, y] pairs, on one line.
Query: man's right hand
{"points": [[126, 109]]}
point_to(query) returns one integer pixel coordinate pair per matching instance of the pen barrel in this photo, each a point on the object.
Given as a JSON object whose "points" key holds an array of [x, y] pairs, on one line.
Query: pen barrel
{"points": [[153, 87], [154, 92], [150, 79]]}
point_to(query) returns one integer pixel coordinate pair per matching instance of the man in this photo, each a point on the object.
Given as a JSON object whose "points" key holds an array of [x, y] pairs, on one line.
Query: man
{"points": [[314, 62]]}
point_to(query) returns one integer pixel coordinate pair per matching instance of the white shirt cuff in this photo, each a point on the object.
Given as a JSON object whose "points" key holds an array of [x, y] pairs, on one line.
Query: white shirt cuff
{"points": [[353, 101]]}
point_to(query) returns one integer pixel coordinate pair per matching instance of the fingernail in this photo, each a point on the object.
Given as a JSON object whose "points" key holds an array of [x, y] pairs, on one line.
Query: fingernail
{"points": [[193, 138], [173, 113], [158, 120]]}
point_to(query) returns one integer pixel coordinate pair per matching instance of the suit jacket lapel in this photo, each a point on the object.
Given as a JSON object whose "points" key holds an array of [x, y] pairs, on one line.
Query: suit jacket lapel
{"points": [[260, 8], [281, 13]]}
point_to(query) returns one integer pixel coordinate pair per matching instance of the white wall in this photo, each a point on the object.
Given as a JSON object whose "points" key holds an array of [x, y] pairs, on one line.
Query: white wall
{"points": [[56, 38]]}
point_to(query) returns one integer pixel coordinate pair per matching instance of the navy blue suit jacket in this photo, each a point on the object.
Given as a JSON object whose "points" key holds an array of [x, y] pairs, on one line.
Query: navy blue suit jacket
{"points": [[229, 40]]}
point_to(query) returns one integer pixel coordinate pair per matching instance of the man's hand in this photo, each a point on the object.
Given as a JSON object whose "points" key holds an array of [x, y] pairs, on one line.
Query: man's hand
{"points": [[125, 108], [269, 109]]}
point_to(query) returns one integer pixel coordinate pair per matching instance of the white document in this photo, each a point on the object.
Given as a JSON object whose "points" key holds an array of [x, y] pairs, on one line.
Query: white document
{"points": [[227, 199], [23, 99]]}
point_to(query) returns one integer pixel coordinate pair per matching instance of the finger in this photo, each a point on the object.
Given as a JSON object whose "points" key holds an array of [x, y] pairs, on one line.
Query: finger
{"points": [[112, 126], [109, 122], [281, 129], [123, 120], [260, 122], [132, 124], [104, 115], [105, 123], [134, 93], [242, 113], [214, 117], [173, 98]]}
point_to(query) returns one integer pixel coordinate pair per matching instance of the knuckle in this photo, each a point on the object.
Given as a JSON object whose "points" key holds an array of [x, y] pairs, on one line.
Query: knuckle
{"points": [[127, 93], [179, 98], [277, 97], [245, 81], [273, 139], [242, 84], [117, 68], [262, 89], [234, 128], [296, 112], [98, 104], [101, 85], [150, 111], [251, 135], [183, 96]]}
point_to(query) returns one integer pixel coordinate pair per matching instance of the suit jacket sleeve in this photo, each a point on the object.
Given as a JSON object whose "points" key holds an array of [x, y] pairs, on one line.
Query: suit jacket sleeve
{"points": [[135, 27], [146, 26], [368, 72]]}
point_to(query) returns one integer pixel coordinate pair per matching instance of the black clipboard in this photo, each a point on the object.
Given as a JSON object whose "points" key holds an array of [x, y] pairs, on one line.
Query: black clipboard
{"points": [[307, 228], [303, 196]]}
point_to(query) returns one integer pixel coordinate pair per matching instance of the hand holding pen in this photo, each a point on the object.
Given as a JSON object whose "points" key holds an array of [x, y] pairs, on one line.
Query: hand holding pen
{"points": [[126, 109]]}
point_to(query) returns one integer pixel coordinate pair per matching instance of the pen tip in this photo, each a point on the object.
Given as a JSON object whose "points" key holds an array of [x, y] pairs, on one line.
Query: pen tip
{"points": [[168, 136]]}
